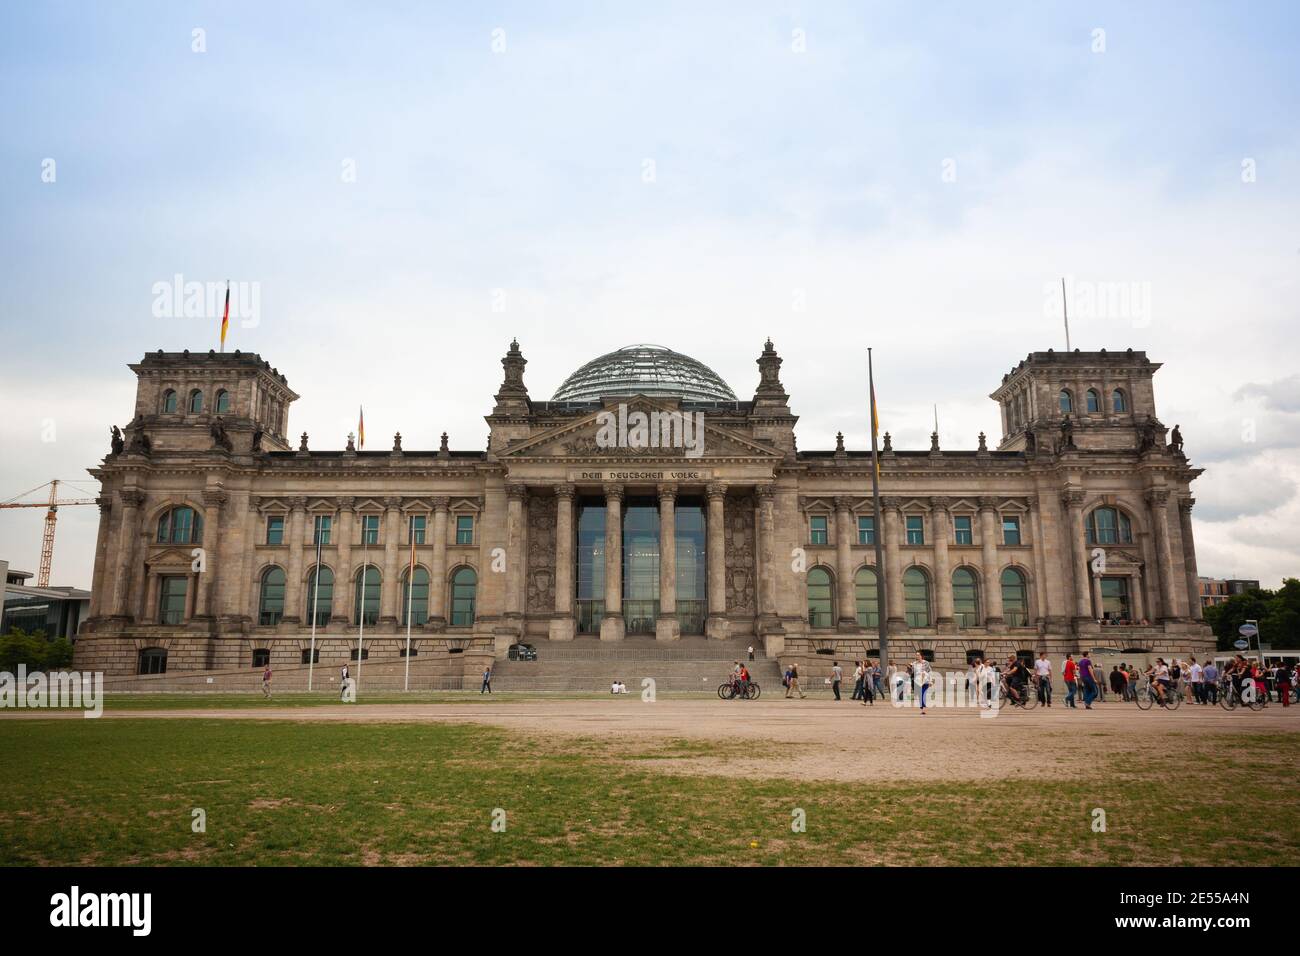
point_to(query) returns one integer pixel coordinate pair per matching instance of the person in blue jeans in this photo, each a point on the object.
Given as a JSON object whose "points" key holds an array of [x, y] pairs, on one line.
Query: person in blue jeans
{"points": [[1089, 681]]}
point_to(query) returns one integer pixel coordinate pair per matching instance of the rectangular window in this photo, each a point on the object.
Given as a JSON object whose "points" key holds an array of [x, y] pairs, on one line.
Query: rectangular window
{"points": [[416, 531], [465, 529], [370, 529], [817, 525], [171, 600], [321, 530], [915, 529], [961, 523], [866, 531], [275, 530], [1010, 530]]}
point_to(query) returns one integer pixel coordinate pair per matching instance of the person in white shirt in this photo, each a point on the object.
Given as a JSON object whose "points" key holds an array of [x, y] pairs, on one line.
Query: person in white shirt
{"points": [[1197, 682], [1043, 671], [921, 677]]}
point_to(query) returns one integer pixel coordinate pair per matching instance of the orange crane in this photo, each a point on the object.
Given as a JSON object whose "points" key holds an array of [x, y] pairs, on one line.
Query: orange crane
{"points": [[51, 516]]}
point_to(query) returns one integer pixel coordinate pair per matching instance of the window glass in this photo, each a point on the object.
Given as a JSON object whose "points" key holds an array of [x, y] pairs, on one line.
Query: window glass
{"points": [[962, 527], [817, 526], [819, 598], [915, 529], [866, 530]]}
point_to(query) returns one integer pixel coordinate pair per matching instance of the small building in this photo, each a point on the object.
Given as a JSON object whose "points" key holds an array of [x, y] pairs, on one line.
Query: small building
{"points": [[1217, 590], [58, 611]]}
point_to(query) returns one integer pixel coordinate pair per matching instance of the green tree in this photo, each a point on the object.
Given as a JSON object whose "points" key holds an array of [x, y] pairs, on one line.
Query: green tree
{"points": [[19, 647], [1225, 618]]}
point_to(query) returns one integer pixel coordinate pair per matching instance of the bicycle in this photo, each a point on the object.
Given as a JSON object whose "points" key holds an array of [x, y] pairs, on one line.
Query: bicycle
{"points": [[1146, 697], [1229, 699], [730, 690], [1028, 696]]}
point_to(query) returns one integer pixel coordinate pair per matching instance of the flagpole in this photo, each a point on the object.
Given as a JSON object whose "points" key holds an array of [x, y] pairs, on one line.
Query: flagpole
{"points": [[882, 606], [1065, 310], [315, 594], [410, 583]]}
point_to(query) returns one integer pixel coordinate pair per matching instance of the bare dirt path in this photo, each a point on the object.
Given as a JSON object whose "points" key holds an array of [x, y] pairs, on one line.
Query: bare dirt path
{"points": [[815, 739]]}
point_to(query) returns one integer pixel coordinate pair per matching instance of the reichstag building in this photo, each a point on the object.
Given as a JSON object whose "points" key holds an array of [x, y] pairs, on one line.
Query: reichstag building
{"points": [[644, 502]]}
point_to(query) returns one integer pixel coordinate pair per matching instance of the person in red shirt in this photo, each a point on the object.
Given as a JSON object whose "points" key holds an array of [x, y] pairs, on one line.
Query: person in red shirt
{"points": [[1071, 675]]}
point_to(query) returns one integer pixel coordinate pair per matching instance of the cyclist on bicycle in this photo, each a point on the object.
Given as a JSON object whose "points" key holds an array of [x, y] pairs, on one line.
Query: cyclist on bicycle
{"points": [[1017, 679], [1158, 675]]}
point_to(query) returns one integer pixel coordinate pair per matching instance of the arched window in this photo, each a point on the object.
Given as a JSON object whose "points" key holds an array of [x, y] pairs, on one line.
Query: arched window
{"points": [[1015, 598], [867, 598], [819, 598], [415, 596], [1117, 401], [270, 606], [1109, 526], [196, 402], [320, 600], [1067, 405], [1094, 400], [965, 598], [153, 660], [916, 597], [223, 402], [169, 401], [464, 585], [181, 525], [367, 603]]}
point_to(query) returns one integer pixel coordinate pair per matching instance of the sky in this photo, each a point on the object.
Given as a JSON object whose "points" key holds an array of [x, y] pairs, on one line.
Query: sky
{"points": [[408, 186]]}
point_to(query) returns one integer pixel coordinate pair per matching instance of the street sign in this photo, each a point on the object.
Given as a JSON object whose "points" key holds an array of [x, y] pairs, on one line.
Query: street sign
{"points": [[1248, 630], [1241, 645]]}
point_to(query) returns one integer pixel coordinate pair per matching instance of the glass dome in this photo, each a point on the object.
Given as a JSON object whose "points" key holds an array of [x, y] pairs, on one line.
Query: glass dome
{"points": [[645, 370]]}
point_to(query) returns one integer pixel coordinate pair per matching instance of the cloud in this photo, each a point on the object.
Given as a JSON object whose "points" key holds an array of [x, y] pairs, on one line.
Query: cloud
{"points": [[1281, 395]]}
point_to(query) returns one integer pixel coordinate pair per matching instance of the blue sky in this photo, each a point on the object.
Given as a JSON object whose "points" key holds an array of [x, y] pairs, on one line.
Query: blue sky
{"points": [[503, 192]]}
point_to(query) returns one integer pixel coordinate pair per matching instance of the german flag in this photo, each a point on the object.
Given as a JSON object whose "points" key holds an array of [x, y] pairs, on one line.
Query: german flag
{"points": [[225, 317], [361, 427]]}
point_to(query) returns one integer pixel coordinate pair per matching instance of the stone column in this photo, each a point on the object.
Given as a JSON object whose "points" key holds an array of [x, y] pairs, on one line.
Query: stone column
{"points": [[438, 566], [1139, 600], [764, 558], [716, 558], [100, 574], [562, 624], [847, 609], [344, 589], [989, 560], [941, 529], [611, 624], [127, 532], [667, 626], [1073, 501], [206, 599], [1039, 545], [893, 564], [516, 554], [1158, 500], [244, 599], [151, 615], [392, 592], [294, 586], [1189, 558]]}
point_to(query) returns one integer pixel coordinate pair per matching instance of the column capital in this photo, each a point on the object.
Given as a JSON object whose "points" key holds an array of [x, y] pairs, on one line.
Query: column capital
{"points": [[1072, 498], [105, 504], [1185, 505], [298, 503], [940, 502], [565, 490], [613, 491], [132, 497], [667, 492], [764, 493], [843, 503], [891, 503], [988, 503], [715, 489], [347, 503], [1159, 497], [393, 502], [441, 503], [516, 490]]}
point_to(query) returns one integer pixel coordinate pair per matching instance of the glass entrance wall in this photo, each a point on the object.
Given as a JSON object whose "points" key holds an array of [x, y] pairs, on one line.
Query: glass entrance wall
{"points": [[1114, 599], [692, 565], [590, 577], [640, 565]]}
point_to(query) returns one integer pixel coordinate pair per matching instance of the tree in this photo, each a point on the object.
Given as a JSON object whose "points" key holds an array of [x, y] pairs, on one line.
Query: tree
{"points": [[19, 647], [1277, 612]]}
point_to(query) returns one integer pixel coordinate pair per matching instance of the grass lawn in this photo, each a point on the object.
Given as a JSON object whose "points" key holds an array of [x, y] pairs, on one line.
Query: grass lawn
{"points": [[121, 792]]}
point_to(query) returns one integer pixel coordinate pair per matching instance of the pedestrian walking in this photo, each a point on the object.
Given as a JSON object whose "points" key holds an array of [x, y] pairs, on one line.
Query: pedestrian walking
{"points": [[1070, 674], [837, 675], [1043, 671], [751, 652], [487, 681], [921, 677], [266, 681], [1088, 679], [1210, 681], [345, 676], [793, 685], [1284, 685], [859, 680], [875, 679]]}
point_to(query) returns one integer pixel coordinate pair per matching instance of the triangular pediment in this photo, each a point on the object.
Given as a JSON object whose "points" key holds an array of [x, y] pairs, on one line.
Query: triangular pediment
{"points": [[665, 432]]}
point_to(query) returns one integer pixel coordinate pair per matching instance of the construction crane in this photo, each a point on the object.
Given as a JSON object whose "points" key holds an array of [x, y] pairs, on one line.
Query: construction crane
{"points": [[51, 516]]}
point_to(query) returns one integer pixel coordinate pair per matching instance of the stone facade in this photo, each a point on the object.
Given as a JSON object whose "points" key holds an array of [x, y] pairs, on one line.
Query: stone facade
{"points": [[1083, 511]]}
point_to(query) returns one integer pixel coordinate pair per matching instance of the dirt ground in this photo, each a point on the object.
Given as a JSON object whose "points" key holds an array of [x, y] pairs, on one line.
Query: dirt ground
{"points": [[819, 739]]}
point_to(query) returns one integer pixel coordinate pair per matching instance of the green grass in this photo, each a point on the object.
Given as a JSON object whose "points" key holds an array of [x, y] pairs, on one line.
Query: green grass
{"points": [[122, 792]]}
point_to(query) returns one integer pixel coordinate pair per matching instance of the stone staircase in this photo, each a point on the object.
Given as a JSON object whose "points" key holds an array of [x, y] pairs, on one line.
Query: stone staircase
{"points": [[588, 665]]}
